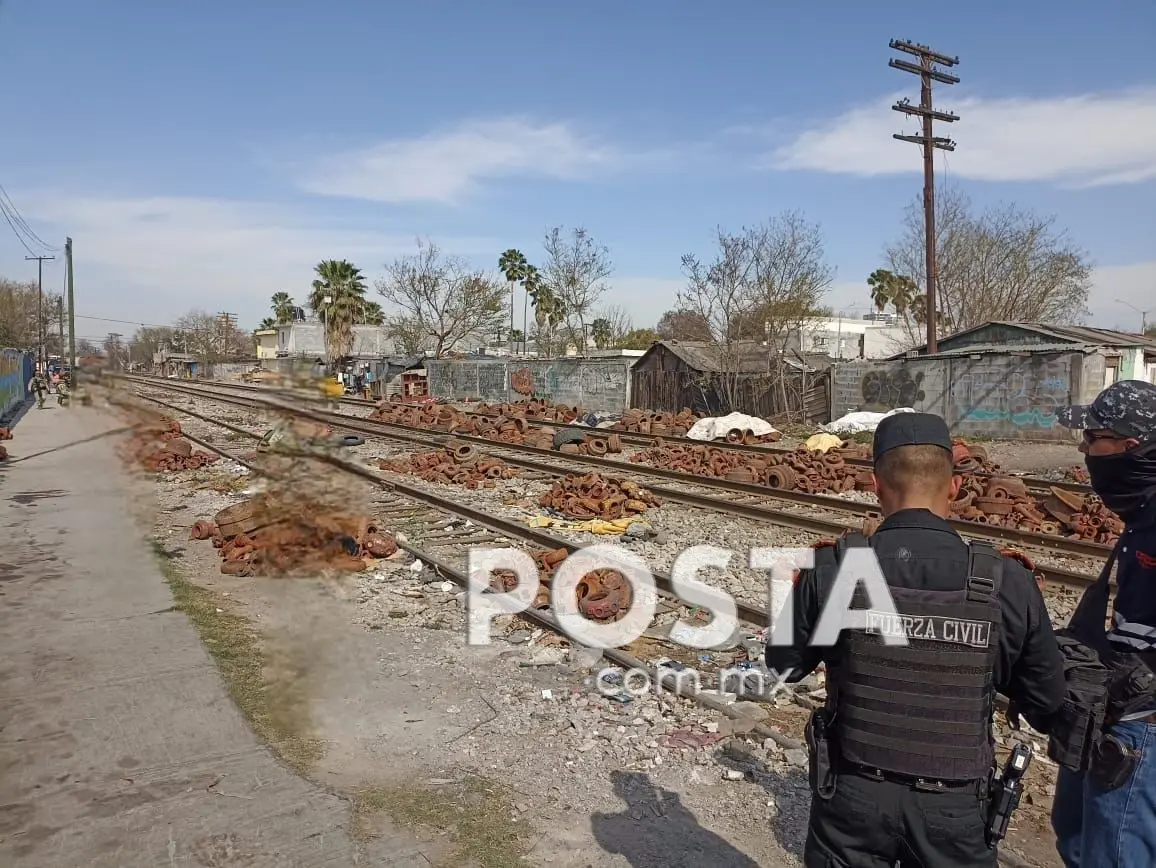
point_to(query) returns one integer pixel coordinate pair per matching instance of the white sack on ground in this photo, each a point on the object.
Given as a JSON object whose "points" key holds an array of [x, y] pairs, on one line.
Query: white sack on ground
{"points": [[716, 427], [861, 420]]}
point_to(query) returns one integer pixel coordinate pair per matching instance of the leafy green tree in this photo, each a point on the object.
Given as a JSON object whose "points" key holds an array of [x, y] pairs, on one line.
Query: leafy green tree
{"points": [[639, 339], [267, 323], [338, 295]]}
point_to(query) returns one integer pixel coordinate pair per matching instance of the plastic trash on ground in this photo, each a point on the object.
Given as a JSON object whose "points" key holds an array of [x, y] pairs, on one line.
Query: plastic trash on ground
{"points": [[716, 427], [860, 420]]}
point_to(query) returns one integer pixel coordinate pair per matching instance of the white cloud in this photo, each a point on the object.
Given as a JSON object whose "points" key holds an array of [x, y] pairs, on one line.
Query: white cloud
{"points": [[449, 165], [155, 258], [1113, 284], [1083, 140]]}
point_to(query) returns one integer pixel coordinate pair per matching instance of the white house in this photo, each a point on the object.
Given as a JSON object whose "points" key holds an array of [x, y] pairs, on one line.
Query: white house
{"points": [[848, 338]]}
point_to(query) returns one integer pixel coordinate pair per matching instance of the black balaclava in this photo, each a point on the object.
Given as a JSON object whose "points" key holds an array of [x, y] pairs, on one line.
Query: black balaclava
{"points": [[1125, 482]]}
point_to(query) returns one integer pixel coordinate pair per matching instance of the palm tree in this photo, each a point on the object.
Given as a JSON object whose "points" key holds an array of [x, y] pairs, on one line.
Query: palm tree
{"points": [[513, 264], [268, 323], [283, 308], [894, 289], [371, 313], [602, 332], [338, 294]]}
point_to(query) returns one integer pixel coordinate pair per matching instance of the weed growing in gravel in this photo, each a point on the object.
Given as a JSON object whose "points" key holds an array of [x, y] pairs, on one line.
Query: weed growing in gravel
{"points": [[474, 812]]}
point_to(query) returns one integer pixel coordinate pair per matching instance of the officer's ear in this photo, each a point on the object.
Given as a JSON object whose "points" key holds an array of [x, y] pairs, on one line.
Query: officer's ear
{"points": [[956, 484]]}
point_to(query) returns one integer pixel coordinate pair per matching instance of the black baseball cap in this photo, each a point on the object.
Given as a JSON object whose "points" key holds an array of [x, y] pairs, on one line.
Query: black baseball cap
{"points": [[910, 429], [1127, 408]]}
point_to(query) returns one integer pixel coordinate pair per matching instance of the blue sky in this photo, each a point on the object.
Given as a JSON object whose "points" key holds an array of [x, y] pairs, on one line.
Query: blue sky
{"points": [[206, 155]]}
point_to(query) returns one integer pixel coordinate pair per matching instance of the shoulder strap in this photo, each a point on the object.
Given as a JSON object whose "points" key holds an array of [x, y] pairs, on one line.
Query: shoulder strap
{"points": [[1087, 622], [984, 571], [854, 539]]}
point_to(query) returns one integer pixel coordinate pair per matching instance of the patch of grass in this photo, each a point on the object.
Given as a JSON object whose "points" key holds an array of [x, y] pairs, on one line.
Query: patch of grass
{"points": [[275, 708], [474, 813], [861, 437]]}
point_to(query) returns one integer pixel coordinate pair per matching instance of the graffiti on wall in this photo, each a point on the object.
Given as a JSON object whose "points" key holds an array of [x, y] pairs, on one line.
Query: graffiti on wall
{"points": [[1021, 392], [887, 389]]}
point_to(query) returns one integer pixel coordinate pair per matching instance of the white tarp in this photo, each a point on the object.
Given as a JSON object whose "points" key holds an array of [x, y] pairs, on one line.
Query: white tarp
{"points": [[716, 427], [861, 420]]}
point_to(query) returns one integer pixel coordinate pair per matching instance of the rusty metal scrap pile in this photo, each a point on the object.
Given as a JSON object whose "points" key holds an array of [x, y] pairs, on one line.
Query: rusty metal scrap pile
{"points": [[812, 472], [513, 429], [458, 463], [159, 447], [261, 537], [602, 595], [5, 434], [985, 499], [596, 496]]}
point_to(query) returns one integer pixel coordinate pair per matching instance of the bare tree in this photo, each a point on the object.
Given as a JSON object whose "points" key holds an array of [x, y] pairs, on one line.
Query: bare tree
{"points": [[209, 338], [683, 325], [19, 309], [576, 269], [611, 324], [1004, 264], [146, 342], [763, 284], [438, 300]]}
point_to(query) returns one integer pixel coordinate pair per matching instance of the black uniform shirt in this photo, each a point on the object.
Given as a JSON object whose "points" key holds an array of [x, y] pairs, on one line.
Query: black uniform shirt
{"points": [[1134, 619], [917, 549]]}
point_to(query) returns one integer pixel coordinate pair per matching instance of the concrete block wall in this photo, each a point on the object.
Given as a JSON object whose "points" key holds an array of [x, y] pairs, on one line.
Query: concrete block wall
{"points": [[602, 385], [1000, 396]]}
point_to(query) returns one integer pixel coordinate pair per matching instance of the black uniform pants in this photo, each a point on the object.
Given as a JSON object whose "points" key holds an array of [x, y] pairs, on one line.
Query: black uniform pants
{"points": [[871, 823]]}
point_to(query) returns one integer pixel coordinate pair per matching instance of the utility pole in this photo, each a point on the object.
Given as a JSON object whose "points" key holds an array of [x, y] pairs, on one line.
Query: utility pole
{"points": [[927, 73], [228, 320], [60, 318], [40, 305], [71, 315]]}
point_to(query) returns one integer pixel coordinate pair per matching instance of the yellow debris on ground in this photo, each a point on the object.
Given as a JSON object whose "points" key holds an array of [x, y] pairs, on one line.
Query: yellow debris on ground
{"points": [[593, 525], [822, 442]]}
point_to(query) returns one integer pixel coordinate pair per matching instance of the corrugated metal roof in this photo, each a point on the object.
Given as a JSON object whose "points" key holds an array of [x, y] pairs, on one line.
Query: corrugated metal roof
{"points": [[1008, 349], [751, 356], [1077, 338]]}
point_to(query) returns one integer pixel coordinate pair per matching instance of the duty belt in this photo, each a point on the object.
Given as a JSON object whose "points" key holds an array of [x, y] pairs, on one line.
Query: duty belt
{"points": [[922, 784]]}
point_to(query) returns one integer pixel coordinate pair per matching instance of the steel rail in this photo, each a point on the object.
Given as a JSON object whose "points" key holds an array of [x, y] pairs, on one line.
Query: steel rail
{"points": [[1033, 482], [978, 530], [808, 524]]}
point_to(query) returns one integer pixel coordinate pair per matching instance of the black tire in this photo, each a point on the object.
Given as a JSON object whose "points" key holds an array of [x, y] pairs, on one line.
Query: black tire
{"points": [[351, 440], [568, 435]]}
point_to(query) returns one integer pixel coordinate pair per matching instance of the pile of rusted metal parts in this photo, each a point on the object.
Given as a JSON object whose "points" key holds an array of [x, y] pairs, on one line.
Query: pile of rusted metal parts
{"points": [[800, 470], [457, 464], [602, 595], [158, 447], [659, 424], [1005, 500], [597, 496], [5, 434], [259, 537]]}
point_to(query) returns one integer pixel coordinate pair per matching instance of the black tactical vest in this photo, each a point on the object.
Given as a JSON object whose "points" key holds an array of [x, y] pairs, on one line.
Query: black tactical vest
{"points": [[923, 710]]}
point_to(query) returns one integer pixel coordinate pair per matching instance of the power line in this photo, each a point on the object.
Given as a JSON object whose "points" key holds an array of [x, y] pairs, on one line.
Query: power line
{"points": [[927, 72], [20, 226]]}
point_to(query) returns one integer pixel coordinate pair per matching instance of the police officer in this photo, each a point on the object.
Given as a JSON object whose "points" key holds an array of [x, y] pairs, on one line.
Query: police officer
{"points": [[1100, 821], [909, 727]]}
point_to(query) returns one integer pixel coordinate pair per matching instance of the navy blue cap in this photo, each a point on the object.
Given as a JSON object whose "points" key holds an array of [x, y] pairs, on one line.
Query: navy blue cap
{"points": [[1127, 408], [910, 429]]}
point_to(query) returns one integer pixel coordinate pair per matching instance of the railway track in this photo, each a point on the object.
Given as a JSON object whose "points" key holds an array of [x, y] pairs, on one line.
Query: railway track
{"points": [[742, 499], [1034, 483]]}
